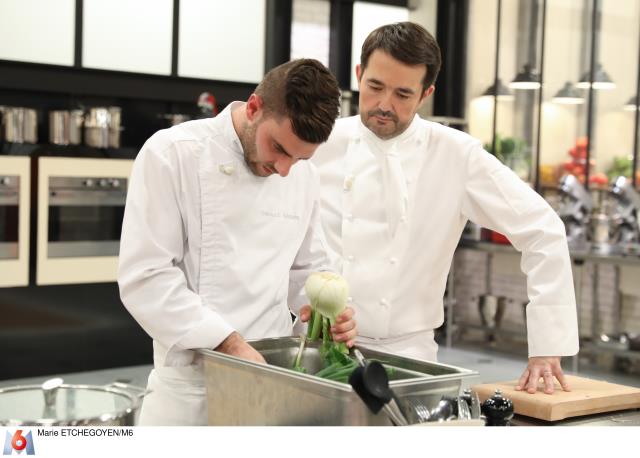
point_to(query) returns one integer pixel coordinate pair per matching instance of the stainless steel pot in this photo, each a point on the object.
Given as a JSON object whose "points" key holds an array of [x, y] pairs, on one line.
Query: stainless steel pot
{"points": [[19, 125], [65, 127], [57, 404], [102, 127]]}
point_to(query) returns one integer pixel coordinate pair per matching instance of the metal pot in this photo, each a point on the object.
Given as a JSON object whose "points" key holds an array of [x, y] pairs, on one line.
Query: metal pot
{"points": [[56, 404], [19, 125], [102, 127], [65, 127]]}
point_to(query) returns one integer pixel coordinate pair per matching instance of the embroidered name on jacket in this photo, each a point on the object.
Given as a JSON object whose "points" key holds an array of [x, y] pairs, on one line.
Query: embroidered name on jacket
{"points": [[274, 214]]}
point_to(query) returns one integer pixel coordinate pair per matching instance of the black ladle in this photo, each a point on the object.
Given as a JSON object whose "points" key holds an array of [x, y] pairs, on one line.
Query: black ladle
{"points": [[371, 382]]}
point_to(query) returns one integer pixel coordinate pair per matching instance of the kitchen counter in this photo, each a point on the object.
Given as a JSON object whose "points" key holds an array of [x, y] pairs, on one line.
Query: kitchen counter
{"points": [[492, 367], [576, 255]]}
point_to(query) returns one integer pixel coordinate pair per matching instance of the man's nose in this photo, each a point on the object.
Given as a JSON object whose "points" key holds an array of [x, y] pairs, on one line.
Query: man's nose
{"points": [[283, 166], [385, 103]]}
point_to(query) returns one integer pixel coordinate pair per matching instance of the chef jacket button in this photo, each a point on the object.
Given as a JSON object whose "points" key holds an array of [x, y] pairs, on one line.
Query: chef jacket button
{"points": [[384, 302], [227, 169], [393, 260], [350, 257], [348, 183]]}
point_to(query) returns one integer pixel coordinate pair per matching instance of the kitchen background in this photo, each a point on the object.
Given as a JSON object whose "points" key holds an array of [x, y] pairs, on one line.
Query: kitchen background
{"points": [[550, 86]]}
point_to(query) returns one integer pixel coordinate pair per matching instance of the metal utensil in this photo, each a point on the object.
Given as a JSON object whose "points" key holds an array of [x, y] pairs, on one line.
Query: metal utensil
{"points": [[375, 382], [442, 412], [422, 413], [464, 413], [475, 408]]}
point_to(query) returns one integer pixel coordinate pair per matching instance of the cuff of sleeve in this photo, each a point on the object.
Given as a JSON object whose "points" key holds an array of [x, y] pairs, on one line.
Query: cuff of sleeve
{"points": [[210, 333], [552, 330]]}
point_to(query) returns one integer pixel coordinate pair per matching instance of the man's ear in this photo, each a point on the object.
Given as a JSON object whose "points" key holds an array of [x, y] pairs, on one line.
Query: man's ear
{"points": [[254, 107], [358, 72], [426, 94]]}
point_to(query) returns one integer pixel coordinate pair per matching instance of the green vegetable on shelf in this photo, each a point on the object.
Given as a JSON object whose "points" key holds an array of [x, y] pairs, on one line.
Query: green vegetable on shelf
{"points": [[621, 166]]}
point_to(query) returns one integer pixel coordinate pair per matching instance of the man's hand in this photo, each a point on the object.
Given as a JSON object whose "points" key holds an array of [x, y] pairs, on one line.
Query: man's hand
{"points": [[345, 328], [235, 345], [546, 367]]}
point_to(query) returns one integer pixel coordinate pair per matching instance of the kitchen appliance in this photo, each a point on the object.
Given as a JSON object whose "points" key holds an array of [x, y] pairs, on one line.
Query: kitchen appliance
{"points": [[574, 210], [57, 404], [80, 210], [627, 215], [102, 127], [19, 125], [587, 396], [241, 392], [65, 127], [14, 220]]}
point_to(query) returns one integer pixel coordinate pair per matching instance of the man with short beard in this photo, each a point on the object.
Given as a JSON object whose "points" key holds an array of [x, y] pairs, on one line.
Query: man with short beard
{"points": [[396, 192], [221, 225]]}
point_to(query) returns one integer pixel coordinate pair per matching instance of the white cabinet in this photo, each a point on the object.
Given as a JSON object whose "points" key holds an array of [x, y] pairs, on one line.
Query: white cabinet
{"points": [[222, 40], [38, 31], [128, 35]]}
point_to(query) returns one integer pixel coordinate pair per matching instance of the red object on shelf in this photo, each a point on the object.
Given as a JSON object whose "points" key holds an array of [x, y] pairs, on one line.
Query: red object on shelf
{"points": [[497, 237]]}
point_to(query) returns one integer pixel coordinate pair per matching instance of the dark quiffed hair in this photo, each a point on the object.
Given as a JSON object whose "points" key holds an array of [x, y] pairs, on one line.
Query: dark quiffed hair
{"points": [[306, 92], [407, 42]]}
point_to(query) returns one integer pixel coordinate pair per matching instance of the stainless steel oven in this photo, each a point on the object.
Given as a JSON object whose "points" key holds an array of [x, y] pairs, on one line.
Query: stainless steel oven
{"points": [[85, 216], [9, 206], [14, 220], [80, 210]]}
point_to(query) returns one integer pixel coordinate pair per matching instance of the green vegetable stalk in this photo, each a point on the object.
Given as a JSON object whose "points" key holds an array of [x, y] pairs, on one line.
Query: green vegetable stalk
{"points": [[327, 292]]}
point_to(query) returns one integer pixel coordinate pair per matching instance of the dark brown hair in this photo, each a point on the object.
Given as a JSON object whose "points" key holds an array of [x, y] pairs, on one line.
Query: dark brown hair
{"points": [[407, 42], [304, 91]]}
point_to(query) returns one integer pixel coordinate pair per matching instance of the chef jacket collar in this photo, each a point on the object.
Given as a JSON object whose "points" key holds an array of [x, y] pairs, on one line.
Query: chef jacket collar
{"points": [[229, 131]]}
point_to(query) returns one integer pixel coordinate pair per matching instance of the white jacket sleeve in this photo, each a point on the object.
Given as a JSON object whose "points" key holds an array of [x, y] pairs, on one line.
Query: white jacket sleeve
{"points": [[152, 286], [498, 199]]}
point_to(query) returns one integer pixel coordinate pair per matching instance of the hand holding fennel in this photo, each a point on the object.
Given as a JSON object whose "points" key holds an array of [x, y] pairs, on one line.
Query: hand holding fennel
{"points": [[329, 316]]}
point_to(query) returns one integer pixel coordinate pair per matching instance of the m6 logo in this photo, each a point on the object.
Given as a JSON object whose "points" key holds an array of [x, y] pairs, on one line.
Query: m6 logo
{"points": [[18, 443]]}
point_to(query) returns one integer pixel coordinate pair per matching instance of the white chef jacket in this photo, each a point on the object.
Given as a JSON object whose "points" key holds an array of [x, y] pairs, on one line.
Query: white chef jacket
{"points": [[393, 212], [208, 248]]}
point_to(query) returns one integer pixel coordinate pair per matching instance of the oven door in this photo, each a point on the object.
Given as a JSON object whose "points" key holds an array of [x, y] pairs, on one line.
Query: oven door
{"points": [[9, 209], [84, 220], [79, 225], [14, 221]]}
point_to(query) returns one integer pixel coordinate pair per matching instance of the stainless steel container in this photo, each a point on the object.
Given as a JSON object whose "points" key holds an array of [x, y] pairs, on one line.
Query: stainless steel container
{"points": [[57, 404], [115, 126], [241, 392], [65, 127], [102, 127], [96, 127], [19, 125]]}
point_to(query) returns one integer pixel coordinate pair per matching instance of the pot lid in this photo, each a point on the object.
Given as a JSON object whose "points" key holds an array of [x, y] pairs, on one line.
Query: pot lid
{"points": [[56, 403]]}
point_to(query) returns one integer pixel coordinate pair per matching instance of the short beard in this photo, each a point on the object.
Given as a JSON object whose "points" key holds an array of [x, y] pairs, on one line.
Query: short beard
{"points": [[247, 138], [382, 134]]}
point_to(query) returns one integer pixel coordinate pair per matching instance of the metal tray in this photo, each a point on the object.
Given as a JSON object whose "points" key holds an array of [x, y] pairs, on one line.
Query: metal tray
{"points": [[241, 392]]}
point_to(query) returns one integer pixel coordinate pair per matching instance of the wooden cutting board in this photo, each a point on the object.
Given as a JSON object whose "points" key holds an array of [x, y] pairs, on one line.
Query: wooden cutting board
{"points": [[586, 397]]}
